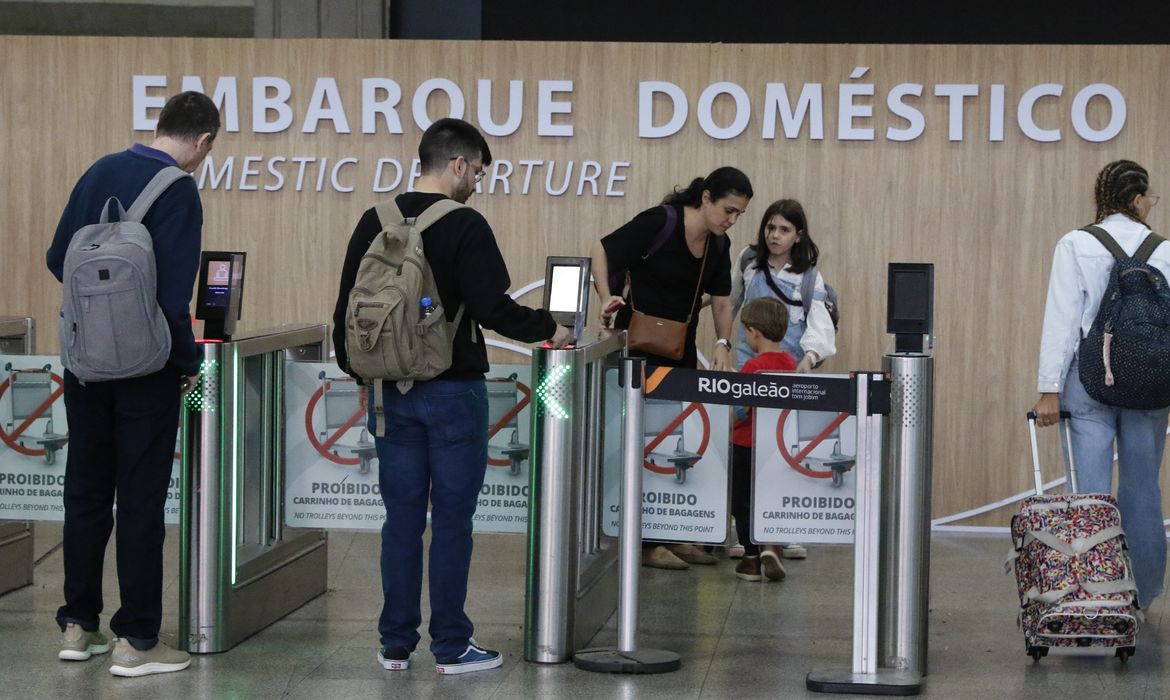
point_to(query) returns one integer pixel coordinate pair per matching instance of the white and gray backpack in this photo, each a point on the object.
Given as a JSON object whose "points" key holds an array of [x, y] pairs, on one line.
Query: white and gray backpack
{"points": [[111, 325]]}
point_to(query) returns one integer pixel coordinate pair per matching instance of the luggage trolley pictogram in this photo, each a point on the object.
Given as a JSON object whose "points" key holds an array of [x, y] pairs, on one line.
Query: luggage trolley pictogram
{"points": [[813, 428], [504, 406], [663, 420], [343, 402], [31, 397]]}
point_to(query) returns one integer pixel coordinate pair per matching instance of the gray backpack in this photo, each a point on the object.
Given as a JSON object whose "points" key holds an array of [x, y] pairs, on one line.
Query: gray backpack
{"points": [[111, 325], [387, 336]]}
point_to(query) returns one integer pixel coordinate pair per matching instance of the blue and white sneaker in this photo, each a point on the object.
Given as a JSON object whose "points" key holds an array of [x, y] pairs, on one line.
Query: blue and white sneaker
{"points": [[475, 658], [394, 658]]}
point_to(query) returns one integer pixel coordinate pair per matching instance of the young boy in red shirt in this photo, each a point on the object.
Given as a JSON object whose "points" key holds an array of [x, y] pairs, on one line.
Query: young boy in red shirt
{"points": [[765, 321]]}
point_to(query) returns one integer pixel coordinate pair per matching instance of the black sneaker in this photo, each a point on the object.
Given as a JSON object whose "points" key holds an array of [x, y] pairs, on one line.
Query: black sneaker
{"points": [[394, 658], [474, 658]]}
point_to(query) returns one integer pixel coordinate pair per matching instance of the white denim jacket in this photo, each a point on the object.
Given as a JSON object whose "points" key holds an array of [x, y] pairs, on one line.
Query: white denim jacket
{"points": [[1080, 274]]}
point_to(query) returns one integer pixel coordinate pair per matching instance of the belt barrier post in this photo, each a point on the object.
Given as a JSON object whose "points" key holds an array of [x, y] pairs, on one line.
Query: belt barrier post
{"points": [[869, 673], [627, 657]]}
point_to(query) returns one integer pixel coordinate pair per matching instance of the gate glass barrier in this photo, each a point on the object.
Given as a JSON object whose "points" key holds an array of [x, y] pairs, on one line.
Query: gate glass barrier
{"points": [[572, 584], [17, 337], [241, 568]]}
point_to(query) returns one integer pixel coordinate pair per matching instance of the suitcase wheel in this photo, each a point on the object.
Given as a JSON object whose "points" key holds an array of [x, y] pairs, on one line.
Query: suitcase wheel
{"points": [[1038, 653], [1124, 653]]}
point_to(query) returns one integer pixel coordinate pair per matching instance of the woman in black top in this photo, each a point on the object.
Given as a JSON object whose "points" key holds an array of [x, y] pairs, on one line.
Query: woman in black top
{"points": [[663, 283]]}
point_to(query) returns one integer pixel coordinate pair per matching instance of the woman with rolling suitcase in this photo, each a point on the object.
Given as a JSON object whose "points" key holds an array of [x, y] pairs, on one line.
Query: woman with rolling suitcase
{"points": [[1081, 271]]}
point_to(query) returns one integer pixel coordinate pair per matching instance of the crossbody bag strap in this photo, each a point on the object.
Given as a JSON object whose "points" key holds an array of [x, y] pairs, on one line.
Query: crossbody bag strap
{"points": [[699, 284]]}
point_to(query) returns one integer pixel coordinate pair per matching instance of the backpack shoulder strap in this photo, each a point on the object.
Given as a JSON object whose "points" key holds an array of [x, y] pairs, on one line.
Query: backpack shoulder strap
{"points": [[1146, 249], [154, 189], [435, 212], [745, 258], [388, 212], [665, 233], [1106, 240], [808, 287]]}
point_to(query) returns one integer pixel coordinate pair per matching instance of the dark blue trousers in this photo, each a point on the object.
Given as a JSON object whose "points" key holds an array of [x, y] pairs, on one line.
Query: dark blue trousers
{"points": [[121, 448], [435, 450]]}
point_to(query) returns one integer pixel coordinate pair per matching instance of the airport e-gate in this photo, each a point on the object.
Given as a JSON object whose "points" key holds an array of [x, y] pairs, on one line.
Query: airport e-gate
{"points": [[18, 337]]}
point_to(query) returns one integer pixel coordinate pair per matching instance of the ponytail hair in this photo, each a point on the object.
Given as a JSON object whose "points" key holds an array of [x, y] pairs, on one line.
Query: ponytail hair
{"points": [[1117, 184], [720, 183]]}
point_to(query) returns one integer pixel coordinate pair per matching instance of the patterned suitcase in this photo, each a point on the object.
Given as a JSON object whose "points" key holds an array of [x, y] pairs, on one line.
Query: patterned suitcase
{"points": [[1076, 586]]}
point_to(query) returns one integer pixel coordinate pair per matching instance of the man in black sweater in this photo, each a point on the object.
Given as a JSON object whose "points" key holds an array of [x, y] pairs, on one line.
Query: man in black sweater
{"points": [[435, 444], [122, 431]]}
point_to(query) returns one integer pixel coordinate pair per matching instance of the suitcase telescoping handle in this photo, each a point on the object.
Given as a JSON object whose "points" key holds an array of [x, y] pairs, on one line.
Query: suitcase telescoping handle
{"points": [[1072, 466]]}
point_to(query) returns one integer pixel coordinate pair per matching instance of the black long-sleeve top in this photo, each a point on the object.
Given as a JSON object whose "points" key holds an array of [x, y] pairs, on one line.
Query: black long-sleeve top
{"points": [[468, 268]]}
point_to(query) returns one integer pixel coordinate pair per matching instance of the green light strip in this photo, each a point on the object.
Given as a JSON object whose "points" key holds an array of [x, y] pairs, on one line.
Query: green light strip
{"points": [[235, 462], [549, 389]]}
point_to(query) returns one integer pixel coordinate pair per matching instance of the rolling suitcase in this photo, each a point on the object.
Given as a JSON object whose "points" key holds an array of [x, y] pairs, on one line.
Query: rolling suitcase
{"points": [[1076, 586]]}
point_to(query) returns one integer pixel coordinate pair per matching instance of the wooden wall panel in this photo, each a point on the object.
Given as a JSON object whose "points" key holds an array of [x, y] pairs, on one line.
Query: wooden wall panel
{"points": [[986, 213]]}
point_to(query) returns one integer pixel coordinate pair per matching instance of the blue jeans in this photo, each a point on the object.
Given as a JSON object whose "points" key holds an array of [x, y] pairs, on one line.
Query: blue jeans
{"points": [[1140, 437], [435, 449]]}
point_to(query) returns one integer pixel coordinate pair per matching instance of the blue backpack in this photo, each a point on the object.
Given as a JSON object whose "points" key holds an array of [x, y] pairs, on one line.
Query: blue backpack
{"points": [[1125, 359]]}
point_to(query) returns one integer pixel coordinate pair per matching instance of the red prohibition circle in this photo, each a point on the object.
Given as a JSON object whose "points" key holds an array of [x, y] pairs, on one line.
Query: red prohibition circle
{"points": [[504, 421], [696, 406], [793, 460], [324, 448], [11, 439]]}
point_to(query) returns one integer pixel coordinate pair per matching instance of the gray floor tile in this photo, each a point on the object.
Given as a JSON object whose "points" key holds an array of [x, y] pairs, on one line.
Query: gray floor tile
{"points": [[736, 639]]}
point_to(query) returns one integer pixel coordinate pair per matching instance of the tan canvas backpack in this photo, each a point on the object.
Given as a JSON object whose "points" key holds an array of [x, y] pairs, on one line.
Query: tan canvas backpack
{"points": [[387, 336]]}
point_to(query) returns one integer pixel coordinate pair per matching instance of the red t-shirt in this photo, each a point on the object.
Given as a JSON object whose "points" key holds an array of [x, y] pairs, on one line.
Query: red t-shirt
{"points": [[741, 433]]}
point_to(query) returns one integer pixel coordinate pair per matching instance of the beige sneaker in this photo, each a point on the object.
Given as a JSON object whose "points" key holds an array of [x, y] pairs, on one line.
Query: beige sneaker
{"points": [[129, 662], [79, 645]]}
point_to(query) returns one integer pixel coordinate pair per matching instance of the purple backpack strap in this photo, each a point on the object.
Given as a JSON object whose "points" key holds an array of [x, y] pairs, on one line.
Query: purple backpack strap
{"points": [[666, 232]]}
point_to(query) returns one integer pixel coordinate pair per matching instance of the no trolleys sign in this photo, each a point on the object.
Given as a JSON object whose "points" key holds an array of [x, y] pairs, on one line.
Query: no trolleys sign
{"points": [[805, 445]]}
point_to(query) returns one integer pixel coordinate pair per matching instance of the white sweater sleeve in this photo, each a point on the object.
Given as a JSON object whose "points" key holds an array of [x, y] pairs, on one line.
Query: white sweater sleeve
{"points": [[819, 335], [1062, 319]]}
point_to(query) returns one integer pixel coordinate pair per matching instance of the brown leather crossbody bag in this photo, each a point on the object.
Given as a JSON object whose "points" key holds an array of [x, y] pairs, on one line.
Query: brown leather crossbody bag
{"points": [[654, 335]]}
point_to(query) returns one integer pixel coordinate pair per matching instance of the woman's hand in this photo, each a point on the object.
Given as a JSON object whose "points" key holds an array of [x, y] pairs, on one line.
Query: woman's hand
{"points": [[1047, 410], [609, 310], [721, 359], [806, 364]]}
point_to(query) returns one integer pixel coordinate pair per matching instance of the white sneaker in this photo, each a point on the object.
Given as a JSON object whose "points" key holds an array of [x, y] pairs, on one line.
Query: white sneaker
{"points": [[79, 645], [735, 551], [793, 551], [129, 662]]}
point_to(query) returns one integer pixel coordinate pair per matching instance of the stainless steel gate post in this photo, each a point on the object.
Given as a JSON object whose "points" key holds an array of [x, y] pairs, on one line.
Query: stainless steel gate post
{"points": [[240, 568], [17, 337], [571, 588], [904, 574], [869, 673], [627, 657]]}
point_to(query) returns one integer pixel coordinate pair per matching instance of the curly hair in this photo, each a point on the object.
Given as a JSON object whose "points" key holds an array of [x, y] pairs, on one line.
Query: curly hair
{"points": [[1117, 184]]}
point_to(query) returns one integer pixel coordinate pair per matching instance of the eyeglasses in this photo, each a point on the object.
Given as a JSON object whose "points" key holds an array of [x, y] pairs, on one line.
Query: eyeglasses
{"points": [[1153, 198], [479, 172]]}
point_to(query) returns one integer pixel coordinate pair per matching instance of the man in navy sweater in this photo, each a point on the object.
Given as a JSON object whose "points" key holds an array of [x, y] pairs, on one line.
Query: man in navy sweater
{"points": [[122, 432]]}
